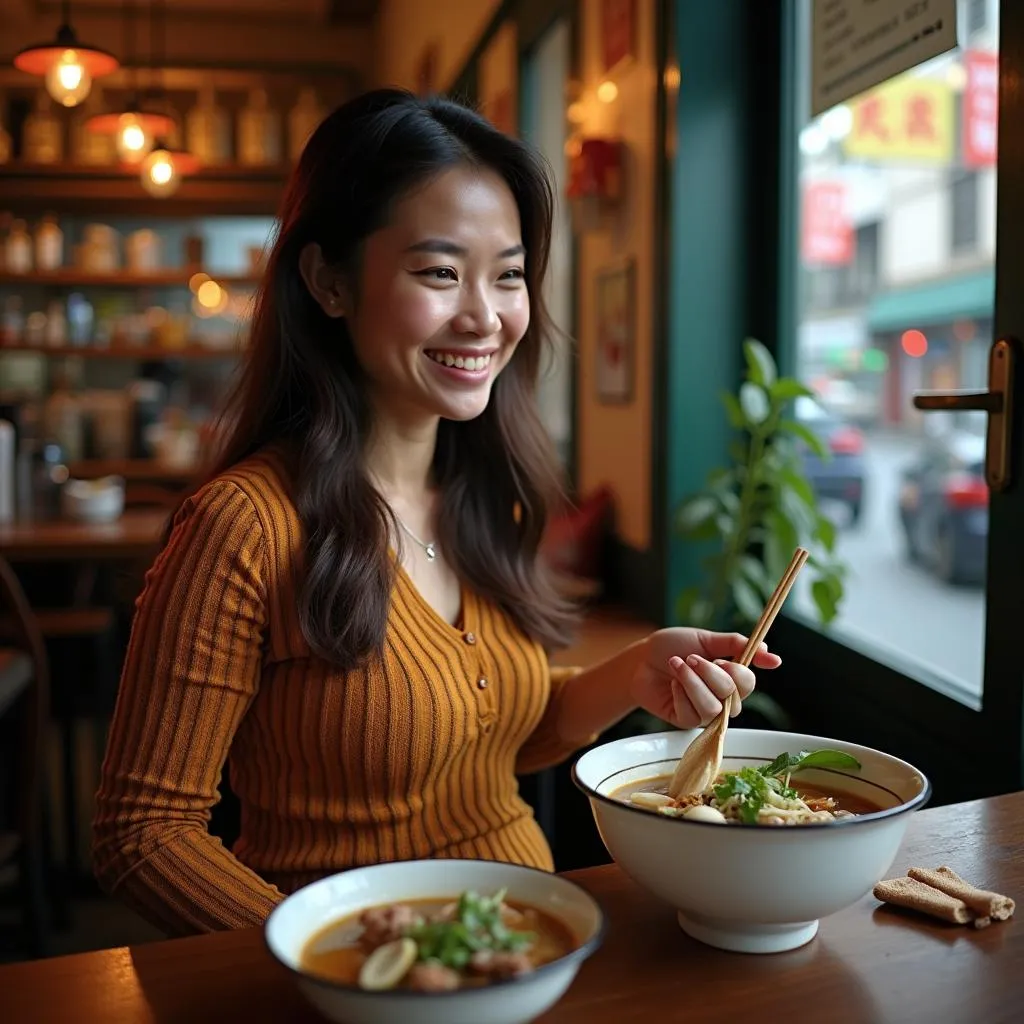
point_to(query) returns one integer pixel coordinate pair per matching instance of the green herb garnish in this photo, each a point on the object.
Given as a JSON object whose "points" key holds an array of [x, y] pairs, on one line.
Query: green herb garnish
{"points": [[477, 926], [787, 764], [750, 787]]}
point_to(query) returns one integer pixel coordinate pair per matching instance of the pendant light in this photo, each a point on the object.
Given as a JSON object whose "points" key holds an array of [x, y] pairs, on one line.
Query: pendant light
{"points": [[163, 168], [135, 126], [66, 65]]}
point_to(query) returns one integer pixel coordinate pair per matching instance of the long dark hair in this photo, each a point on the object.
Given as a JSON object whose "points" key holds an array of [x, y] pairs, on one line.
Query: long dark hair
{"points": [[302, 386]]}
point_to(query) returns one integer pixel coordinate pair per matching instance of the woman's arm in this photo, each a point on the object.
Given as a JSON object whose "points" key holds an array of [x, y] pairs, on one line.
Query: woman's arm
{"points": [[192, 669]]}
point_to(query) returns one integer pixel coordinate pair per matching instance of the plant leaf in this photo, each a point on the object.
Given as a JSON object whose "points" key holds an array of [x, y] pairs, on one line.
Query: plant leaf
{"points": [[754, 571], [801, 518], [721, 480], [754, 402], [824, 598], [733, 410], [761, 366], [738, 454], [695, 511], [693, 609], [798, 484], [748, 603], [730, 502], [826, 533], [786, 389], [808, 436]]}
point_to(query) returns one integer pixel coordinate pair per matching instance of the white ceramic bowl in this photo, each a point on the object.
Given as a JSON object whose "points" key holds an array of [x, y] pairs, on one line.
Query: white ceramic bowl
{"points": [[517, 1001], [751, 888], [93, 501]]}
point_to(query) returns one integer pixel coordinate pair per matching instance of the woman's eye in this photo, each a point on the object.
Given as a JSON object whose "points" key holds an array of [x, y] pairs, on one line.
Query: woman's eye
{"points": [[440, 274], [516, 274]]}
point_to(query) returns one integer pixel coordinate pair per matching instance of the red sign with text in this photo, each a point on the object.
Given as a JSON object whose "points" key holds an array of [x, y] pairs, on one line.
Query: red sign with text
{"points": [[981, 109], [827, 234]]}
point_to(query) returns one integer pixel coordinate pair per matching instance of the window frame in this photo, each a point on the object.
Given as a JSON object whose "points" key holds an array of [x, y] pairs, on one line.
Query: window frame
{"points": [[833, 687]]}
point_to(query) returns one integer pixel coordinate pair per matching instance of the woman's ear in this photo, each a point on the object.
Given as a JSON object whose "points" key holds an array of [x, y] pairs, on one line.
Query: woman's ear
{"points": [[325, 283]]}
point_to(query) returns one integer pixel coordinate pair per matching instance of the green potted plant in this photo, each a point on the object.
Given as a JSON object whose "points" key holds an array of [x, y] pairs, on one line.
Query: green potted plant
{"points": [[755, 511], [751, 515]]}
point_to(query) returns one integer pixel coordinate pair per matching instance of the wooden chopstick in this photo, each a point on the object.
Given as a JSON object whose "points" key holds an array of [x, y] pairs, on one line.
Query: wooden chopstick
{"points": [[774, 605]]}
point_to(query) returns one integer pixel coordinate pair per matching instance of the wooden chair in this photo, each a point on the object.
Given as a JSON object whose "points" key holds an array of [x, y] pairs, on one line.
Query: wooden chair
{"points": [[63, 631], [25, 689]]}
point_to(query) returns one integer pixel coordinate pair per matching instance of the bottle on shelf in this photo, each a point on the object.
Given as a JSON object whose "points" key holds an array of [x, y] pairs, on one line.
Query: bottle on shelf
{"points": [[92, 149], [208, 129], [49, 244], [80, 320], [18, 249], [12, 323], [56, 325], [259, 133], [43, 137], [62, 417]]}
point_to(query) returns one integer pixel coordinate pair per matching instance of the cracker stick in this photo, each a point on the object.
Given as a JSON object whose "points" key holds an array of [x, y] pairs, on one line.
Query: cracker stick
{"points": [[915, 895], [981, 901]]}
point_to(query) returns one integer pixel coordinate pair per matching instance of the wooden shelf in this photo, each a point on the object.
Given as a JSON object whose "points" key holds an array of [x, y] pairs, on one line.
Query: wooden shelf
{"points": [[71, 278], [130, 469], [230, 190], [147, 353]]}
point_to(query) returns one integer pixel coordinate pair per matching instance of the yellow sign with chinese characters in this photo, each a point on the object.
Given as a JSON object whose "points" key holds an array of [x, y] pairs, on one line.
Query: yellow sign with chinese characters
{"points": [[907, 120]]}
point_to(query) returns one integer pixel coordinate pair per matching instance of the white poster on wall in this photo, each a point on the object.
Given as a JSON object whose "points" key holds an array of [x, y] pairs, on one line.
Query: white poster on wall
{"points": [[856, 44]]}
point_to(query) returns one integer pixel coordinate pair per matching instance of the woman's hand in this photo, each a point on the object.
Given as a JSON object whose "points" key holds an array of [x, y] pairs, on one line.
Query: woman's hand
{"points": [[684, 674]]}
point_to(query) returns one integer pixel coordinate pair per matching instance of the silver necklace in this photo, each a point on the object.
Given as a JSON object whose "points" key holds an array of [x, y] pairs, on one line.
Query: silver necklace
{"points": [[429, 549]]}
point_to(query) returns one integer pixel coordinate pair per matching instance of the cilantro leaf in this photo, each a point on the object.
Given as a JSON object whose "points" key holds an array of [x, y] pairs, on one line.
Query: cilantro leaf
{"points": [[476, 926], [750, 789]]}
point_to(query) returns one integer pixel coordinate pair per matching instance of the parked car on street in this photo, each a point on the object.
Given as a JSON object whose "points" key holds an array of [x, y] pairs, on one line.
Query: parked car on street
{"points": [[943, 503], [840, 478]]}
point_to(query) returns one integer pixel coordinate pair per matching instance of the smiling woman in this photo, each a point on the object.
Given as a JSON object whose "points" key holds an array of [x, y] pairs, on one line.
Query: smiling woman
{"points": [[374, 699]]}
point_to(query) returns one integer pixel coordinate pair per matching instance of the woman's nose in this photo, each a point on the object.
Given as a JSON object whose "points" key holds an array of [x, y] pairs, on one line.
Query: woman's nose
{"points": [[478, 317]]}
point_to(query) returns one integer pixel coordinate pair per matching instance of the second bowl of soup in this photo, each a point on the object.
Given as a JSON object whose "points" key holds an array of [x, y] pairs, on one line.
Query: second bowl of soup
{"points": [[435, 942], [794, 828]]}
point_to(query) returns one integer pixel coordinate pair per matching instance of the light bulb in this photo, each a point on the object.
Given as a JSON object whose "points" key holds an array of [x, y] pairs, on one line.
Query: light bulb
{"points": [[160, 176], [133, 142], [67, 80]]}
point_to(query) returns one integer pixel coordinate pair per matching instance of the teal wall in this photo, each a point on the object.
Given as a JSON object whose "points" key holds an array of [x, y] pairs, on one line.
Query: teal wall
{"points": [[708, 301]]}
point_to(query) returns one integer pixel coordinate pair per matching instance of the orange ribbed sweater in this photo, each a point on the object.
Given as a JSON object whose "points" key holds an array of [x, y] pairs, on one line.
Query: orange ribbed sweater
{"points": [[415, 755]]}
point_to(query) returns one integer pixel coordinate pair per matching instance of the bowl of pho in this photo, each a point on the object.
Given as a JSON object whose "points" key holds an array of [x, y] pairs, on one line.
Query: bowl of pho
{"points": [[793, 829], [435, 942]]}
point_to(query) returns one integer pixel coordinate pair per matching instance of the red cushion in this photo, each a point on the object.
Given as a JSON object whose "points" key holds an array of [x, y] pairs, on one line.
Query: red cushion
{"points": [[574, 539]]}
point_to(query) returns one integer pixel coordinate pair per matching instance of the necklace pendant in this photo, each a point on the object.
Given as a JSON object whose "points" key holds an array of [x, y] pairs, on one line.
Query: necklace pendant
{"points": [[431, 552]]}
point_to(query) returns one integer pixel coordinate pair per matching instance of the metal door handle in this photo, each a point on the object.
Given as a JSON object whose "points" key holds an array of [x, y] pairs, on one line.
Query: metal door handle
{"points": [[997, 402]]}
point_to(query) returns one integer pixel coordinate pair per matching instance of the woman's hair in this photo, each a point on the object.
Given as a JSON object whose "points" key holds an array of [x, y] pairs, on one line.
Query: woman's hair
{"points": [[302, 386]]}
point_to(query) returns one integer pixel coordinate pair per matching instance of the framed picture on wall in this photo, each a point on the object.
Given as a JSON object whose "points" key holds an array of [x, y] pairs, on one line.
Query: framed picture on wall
{"points": [[616, 333], [618, 33]]}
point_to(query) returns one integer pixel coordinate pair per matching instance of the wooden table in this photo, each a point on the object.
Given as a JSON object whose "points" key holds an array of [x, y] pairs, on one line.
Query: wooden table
{"points": [[857, 971], [134, 535]]}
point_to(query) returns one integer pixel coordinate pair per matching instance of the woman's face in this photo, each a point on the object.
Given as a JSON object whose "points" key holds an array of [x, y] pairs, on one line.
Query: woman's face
{"points": [[441, 301]]}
